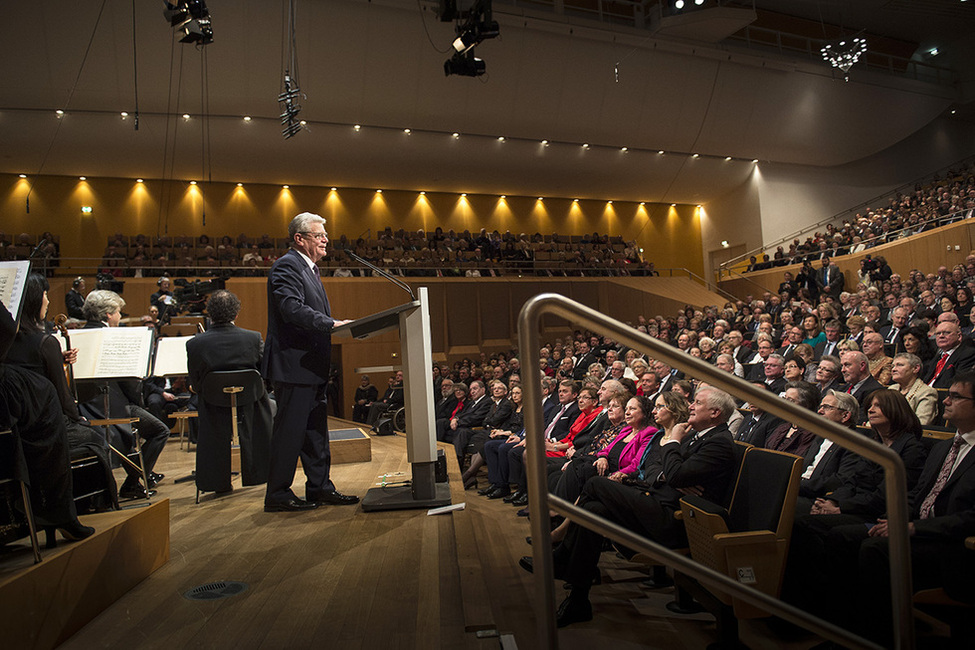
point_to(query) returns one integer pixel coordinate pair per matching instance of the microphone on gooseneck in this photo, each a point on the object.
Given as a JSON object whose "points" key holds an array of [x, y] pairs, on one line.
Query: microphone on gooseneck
{"points": [[399, 283]]}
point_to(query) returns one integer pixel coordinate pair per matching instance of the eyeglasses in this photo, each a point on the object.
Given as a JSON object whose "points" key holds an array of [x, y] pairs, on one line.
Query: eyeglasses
{"points": [[953, 395], [320, 236], [830, 407]]}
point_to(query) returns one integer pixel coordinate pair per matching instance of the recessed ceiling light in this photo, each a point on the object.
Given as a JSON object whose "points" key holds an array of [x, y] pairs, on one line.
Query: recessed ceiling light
{"points": [[624, 149], [247, 118], [585, 145], [609, 203], [23, 175], [186, 116], [334, 189], [544, 143], [82, 178], [503, 197], [727, 158], [240, 184], [379, 191], [500, 138], [303, 123], [463, 196], [755, 160], [455, 134], [59, 112], [540, 198], [407, 131], [356, 127], [642, 203], [575, 200], [124, 114], [953, 111], [697, 155], [139, 180], [192, 182], [286, 187], [673, 205], [423, 193]]}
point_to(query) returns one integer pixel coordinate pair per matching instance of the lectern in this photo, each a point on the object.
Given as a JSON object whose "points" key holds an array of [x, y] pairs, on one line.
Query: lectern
{"points": [[413, 322]]}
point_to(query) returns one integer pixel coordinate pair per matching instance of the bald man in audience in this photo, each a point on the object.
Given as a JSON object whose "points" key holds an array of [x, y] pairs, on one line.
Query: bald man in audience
{"points": [[855, 369]]}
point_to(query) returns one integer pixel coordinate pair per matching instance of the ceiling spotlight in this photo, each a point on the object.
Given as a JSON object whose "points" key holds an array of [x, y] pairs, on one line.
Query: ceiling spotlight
{"points": [[679, 4], [661, 152], [697, 155], [624, 149], [407, 131], [755, 160], [186, 116], [503, 197], [575, 200], [544, 143], [474, 31], [463, 196], [192, 182], [699, 2], [335, 189], [124, 115], [357, 127], [423, 193], [727, 158], [455, 134], [609, 203], [585, 145], [23, 175], [500, 138], [379, 191], [540, 198], [843, 54], [192, 18], [303, 123], [286, 187], [464, 65], [642, 203], [139, 180], [247, 118], [82, 178], [673, 205], [240, 184], [59, 112]]}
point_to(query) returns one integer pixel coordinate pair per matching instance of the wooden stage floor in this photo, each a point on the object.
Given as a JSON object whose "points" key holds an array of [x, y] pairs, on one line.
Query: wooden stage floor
{"points": [[341, 578]]}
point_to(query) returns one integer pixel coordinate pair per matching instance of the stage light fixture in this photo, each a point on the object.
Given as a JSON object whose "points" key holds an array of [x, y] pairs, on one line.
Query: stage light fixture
{"points": [[192, 18], [290, 106], [464, 65]]}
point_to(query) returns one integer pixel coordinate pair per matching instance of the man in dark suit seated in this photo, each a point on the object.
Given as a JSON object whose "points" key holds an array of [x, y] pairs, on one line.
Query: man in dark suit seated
{"points": [[756, 427], [826, 465], [699, 456], [859, 382], [953, 357], [393, 398], [834, 332], [224, 346], [942, 515], [475, 409], [498, 411]]}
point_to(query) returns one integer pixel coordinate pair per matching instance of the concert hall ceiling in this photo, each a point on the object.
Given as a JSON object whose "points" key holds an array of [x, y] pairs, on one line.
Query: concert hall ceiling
{"points": [[685, 85]]}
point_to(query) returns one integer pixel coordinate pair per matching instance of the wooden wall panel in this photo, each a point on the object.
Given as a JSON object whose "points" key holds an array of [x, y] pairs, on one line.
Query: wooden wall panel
{"points": [[462, 315], [494, 310]]}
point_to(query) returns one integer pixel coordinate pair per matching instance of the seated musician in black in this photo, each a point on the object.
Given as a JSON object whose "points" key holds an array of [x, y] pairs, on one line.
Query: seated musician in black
{"points": [[29, 407], [38, 351], [224, 346], [104, 309]]}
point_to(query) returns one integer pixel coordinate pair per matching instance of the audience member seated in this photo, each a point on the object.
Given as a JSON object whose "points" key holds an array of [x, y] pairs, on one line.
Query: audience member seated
{"points": [[827, 465], [497, 416], [788, 437], [365, 395], [905, 371], [859, 382], [393, 398]]}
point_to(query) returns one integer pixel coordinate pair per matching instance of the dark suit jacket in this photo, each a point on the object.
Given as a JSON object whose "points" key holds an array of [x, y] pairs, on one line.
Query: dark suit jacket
{"points": [[445, 406], [861, 394], [756, 434], [820, 349], [837, 466], [960, 360], [473, 413], [227, 347], [498, 413], [299, 324], [954, 509], [74, 301], [707, 461], [561, 428]]}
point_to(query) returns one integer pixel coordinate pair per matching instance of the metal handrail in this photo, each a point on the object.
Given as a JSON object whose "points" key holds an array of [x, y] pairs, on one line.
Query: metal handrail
{"points": [[529, 321]]}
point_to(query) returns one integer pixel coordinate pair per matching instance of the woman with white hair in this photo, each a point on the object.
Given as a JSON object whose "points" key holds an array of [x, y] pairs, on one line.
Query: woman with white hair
{"points": [[904, 372]]}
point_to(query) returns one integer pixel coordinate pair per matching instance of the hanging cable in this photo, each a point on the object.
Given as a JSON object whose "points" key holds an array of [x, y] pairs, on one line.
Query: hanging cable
{"points": [[67, 103], [135, 68]]}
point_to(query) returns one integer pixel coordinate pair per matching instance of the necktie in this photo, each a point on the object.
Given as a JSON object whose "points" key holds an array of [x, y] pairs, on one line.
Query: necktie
{"points": [[927, 506], [892, 335], [551, 425], [745, 429], [457, 409], [941, 366]]}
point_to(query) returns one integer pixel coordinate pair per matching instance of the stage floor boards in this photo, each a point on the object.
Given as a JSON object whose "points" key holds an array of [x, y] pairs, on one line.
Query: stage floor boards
{"points": [[340, 578]]}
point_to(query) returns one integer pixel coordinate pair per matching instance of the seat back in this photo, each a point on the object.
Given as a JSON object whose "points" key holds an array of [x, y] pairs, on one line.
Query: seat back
{"points": [[766, 482], [740, 449], [214, 383]]}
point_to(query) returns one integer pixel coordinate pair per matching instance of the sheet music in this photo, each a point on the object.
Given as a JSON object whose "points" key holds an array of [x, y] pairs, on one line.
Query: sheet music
{"points": [[171, 356], [13, 276], [112, 352]]}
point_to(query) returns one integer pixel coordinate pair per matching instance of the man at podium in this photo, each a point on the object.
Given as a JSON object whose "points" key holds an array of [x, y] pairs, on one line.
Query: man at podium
{"points": [[297, 357]]}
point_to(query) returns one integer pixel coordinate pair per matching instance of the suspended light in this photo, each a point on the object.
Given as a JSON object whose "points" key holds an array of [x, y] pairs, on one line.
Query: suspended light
{"points": [[843, 54]]}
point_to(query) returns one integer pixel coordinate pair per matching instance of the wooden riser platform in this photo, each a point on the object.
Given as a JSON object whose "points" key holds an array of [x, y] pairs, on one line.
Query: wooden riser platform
{"points": [[44, 604]]}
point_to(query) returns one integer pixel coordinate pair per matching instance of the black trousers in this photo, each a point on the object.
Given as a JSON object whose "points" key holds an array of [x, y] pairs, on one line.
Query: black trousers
{"points": [[300, 431]]}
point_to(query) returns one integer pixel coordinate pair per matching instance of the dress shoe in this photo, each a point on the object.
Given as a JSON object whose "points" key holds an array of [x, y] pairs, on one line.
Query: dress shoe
{"points": [[471, 484], [523, 512], [573, 610], [521, 501], [291, 505], [333, 498], [155, 478], [499, 493], [135, 491], [514, 496], [486, 491]]}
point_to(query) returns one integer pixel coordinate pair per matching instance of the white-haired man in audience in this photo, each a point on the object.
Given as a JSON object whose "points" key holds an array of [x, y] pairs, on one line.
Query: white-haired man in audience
{"points": [[697, 456]]}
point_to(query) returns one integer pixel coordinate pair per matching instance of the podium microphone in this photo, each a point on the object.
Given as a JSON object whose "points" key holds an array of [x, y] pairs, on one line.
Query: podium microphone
{"points": [[399, 283]]}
